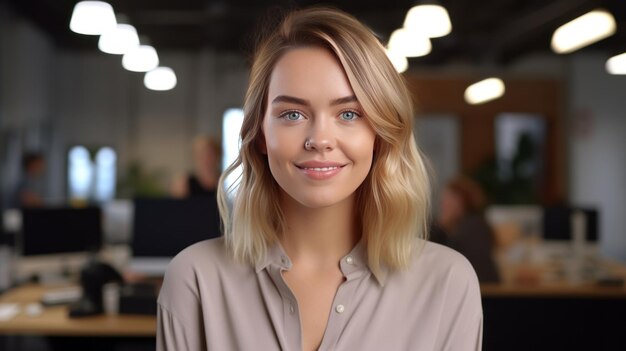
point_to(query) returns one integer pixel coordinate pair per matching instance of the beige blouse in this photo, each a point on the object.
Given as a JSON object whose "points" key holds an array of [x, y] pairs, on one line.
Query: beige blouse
{"points": [[210, 302]]}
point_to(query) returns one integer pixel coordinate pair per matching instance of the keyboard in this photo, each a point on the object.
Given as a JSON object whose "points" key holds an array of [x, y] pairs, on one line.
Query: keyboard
{"points": [[61, 296]]}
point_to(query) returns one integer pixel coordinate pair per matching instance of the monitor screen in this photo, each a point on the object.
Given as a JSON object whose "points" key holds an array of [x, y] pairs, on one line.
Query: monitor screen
{"points": [[164, 227], [557, 223], [60, 230]]}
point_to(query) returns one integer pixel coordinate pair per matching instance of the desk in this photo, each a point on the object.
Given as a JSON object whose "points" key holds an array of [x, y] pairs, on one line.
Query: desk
{"points": [[54, 321], [555, 314], [552, 290]]}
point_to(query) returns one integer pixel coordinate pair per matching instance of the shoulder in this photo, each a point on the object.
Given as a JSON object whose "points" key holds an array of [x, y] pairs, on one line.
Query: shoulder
{"points": [[474, 222], [201, 258], [212, 251], [439, 257], [197, 263], [446, 269]]}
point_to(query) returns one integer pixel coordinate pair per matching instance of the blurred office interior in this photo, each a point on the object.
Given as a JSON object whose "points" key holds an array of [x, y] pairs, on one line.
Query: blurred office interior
{"points": [[548, 154]]}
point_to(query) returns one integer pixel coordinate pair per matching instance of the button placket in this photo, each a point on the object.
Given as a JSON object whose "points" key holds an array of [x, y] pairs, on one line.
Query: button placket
{"points": [[340, 314], [290, 317]]}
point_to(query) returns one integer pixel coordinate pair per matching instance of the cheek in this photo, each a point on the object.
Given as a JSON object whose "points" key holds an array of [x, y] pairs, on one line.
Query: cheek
{"points": [[280, 144], [361, 146]]}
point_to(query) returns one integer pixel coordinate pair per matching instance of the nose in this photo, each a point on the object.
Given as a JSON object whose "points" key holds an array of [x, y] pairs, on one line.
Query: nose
{"points": [[321, 136]]}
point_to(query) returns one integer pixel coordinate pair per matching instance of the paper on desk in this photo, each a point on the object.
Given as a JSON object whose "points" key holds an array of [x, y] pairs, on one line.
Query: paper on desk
{"points": [[8, 311]]}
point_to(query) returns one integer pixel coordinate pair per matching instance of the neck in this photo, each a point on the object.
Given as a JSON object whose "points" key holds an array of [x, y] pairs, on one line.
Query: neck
{"points": [[320, 237]]}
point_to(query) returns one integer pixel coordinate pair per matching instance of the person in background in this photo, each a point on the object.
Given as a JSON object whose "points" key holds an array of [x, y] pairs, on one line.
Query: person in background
{"points": [[29, 190], [324, 246], [207, 156], [461, 225]]}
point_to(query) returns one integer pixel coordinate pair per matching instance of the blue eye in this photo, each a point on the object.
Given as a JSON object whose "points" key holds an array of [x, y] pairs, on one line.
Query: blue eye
{"points": [[293, 115], [349, 115]]}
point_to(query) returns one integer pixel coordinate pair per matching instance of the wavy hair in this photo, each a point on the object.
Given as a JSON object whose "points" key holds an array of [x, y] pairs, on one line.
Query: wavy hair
{"points": [[394, 199]]}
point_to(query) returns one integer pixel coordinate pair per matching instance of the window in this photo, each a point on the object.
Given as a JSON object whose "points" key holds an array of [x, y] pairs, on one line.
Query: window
{"points": [[231, 142], [90, 178], [80, 173], [105, 174]]}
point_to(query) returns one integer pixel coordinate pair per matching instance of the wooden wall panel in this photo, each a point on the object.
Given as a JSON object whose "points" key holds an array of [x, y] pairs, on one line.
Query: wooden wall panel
{"points": [[544, 97]]}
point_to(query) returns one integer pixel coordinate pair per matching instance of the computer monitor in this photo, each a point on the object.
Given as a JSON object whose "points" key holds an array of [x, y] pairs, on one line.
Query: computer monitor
{"points": [[60, 230], [162, 227], [557, 223]]}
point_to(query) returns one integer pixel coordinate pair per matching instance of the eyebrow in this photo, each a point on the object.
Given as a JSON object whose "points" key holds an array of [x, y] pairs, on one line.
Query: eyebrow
{"points": [[304, 102]]}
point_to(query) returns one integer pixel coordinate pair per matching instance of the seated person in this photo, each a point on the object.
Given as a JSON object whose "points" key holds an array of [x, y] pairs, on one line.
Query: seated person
{"points": [[29, 190], [203, 181], [461, 225]]}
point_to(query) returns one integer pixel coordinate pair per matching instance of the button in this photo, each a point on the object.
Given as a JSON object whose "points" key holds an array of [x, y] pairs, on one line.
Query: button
{"points": [[291, 309], [339, 308], [349, 260], [283, 259]]}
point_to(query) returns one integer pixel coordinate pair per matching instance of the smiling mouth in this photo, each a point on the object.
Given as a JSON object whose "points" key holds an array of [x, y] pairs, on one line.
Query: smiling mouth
{"points": [[320, 169]]}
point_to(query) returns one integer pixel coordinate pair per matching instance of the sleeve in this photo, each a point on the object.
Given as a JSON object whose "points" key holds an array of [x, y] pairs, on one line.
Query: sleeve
{"points": [[172, 334], [463, 313], [469, 338], [179, 314]]}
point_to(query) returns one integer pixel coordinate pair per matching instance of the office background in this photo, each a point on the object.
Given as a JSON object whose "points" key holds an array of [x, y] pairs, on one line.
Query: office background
{"points": [[62, 92], [57, 91]]}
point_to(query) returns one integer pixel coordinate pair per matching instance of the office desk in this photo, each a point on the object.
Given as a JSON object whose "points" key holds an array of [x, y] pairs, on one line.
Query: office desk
{"points": [[54, 321], [552, 290], [555, 314]]}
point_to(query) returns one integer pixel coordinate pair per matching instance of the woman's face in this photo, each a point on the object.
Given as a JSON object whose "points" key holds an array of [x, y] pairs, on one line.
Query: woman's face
{"points": [[451, 206], [206, 158], [311, 101]]}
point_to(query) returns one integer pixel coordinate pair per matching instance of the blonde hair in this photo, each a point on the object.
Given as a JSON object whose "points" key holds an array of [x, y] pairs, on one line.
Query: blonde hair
{"points": [[393, 201]]}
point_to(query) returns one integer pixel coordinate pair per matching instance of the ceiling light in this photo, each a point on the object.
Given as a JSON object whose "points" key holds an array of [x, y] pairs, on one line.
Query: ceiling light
{"points": [[617, 64], [92, 18], [409, 44], [485, 90], [582, 31], [399, 62], [429, 20], [120, 40], [160, 78], [142, 58]]}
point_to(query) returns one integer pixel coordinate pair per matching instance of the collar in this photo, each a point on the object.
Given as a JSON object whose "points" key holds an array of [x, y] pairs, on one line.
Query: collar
{"points": [[352, 265], [274, 255]]}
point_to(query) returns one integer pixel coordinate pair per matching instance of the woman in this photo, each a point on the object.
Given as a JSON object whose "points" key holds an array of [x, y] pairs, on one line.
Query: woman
{"points": [[203, 182], [324, 248], [461, 225]]}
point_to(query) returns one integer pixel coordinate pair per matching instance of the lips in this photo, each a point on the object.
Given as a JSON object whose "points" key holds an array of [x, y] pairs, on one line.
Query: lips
{"points": [[320, 170], [319, 165]]}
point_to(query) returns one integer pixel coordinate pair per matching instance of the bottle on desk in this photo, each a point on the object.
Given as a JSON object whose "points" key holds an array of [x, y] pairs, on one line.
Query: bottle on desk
{"points": [[575, 265], [579, 226], [6, 260]]}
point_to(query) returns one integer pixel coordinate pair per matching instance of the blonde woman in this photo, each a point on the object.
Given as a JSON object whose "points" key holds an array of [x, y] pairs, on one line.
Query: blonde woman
{"points": [[207, 156], [324, 248]]}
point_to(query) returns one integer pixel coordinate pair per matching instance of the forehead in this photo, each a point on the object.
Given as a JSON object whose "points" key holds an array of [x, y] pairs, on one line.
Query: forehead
{"points": [[309, 72]]}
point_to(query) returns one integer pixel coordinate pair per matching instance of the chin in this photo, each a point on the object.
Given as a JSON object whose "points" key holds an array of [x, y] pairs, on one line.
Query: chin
{"points": [[321, 199]]}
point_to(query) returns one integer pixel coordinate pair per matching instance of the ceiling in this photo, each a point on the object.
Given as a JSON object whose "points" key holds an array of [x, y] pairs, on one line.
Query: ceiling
{"points": [[484, 31]]}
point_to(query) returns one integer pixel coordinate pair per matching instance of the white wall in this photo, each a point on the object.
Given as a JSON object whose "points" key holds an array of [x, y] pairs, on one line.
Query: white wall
{"points": [[597, 147], [100, 103], [26, 65], [53, 99]]}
